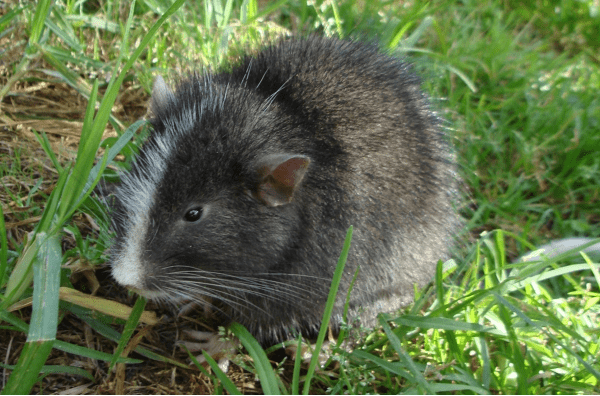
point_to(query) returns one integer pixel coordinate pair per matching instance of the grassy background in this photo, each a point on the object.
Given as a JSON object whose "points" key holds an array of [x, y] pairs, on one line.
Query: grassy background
{"points": [[519, 86]]}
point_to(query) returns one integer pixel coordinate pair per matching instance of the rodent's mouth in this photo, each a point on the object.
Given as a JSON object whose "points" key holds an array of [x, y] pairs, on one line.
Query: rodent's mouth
{"points": [[149, 294], [161, 295]]}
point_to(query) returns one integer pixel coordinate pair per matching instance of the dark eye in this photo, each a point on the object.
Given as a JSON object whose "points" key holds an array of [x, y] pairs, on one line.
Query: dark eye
{"points": [[193, 214]]}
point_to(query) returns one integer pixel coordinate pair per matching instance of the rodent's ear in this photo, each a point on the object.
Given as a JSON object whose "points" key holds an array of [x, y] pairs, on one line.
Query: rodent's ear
{"points": [[280, 176], [161, 94]]}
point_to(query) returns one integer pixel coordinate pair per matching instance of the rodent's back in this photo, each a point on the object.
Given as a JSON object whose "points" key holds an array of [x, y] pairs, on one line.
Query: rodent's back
{"points": [[395, 177], [355, 124]]}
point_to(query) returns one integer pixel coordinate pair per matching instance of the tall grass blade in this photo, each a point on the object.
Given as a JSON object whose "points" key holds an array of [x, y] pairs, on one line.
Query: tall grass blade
{"points": [[411, 40], [335, 282], [594, 267], [3, 248], [46, 282], [486, 374], [264, 371], [468, 82], [37, 26], [88, 118], [21, 276], [226, 14], [46, 274], [439, 282], [130, 327], [248, 11], [25, 374], [67, 36], [398, 34], [515, 354], [338, 19]]}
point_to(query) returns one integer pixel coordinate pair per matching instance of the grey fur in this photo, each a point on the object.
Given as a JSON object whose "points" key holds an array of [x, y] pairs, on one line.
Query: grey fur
{"points": [[280, 155]]}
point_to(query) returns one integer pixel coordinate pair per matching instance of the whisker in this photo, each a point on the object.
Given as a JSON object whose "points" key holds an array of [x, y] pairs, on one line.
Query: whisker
{"points": [[240, 308], [236, 288], [249, 283], [192, 271]]}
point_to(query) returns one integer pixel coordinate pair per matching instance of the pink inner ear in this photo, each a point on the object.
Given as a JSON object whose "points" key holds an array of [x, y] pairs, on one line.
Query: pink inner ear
{"points": [[281, 175], [290, 172]]}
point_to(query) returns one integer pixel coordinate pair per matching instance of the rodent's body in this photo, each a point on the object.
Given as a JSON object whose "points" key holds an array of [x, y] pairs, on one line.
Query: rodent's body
{"points": [[243, 193]]}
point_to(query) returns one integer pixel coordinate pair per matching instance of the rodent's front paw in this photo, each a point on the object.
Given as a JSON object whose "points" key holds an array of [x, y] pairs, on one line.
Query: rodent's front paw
{"points": [[220, 349]]}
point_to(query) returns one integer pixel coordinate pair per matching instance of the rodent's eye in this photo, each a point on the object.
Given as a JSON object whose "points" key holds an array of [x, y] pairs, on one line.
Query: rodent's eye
{"points": [[193, 214]]}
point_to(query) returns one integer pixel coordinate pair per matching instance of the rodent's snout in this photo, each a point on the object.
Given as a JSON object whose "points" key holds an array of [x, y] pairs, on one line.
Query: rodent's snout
{"points": [[135, 278], [129, 274]]}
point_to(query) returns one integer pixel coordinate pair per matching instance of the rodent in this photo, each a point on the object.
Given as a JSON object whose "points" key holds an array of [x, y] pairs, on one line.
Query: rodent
{"points": [[243, 192]]}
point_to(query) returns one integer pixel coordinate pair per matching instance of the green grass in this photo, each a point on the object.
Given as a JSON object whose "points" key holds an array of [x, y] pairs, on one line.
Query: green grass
{"points": [[519, 87]]}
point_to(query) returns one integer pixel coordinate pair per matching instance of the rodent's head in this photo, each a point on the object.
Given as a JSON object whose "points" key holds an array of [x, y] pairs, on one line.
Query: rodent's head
{"points": [[211, 199]]}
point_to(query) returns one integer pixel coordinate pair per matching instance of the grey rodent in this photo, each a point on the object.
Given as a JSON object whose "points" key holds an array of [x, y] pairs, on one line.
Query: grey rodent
{"points": [[244, 190]]}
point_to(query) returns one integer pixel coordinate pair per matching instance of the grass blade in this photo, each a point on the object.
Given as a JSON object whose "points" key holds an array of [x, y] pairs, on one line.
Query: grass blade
{"points": [[266, 375], [387, 366], [426, 322], [416, 35], [451, 388], [225, 381], [515, 350], [40, 338], [46, 282], [91, 353], [335, 282], [130, 326], [59, 370], [338, 20], [439, 282], [37, 26], [3, 248], [404, 357], [486, 374], [26, 372], [45, 143]]}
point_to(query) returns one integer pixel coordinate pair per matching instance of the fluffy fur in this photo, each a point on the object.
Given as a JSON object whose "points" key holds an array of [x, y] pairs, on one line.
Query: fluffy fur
{"points": [[244, 190]]}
